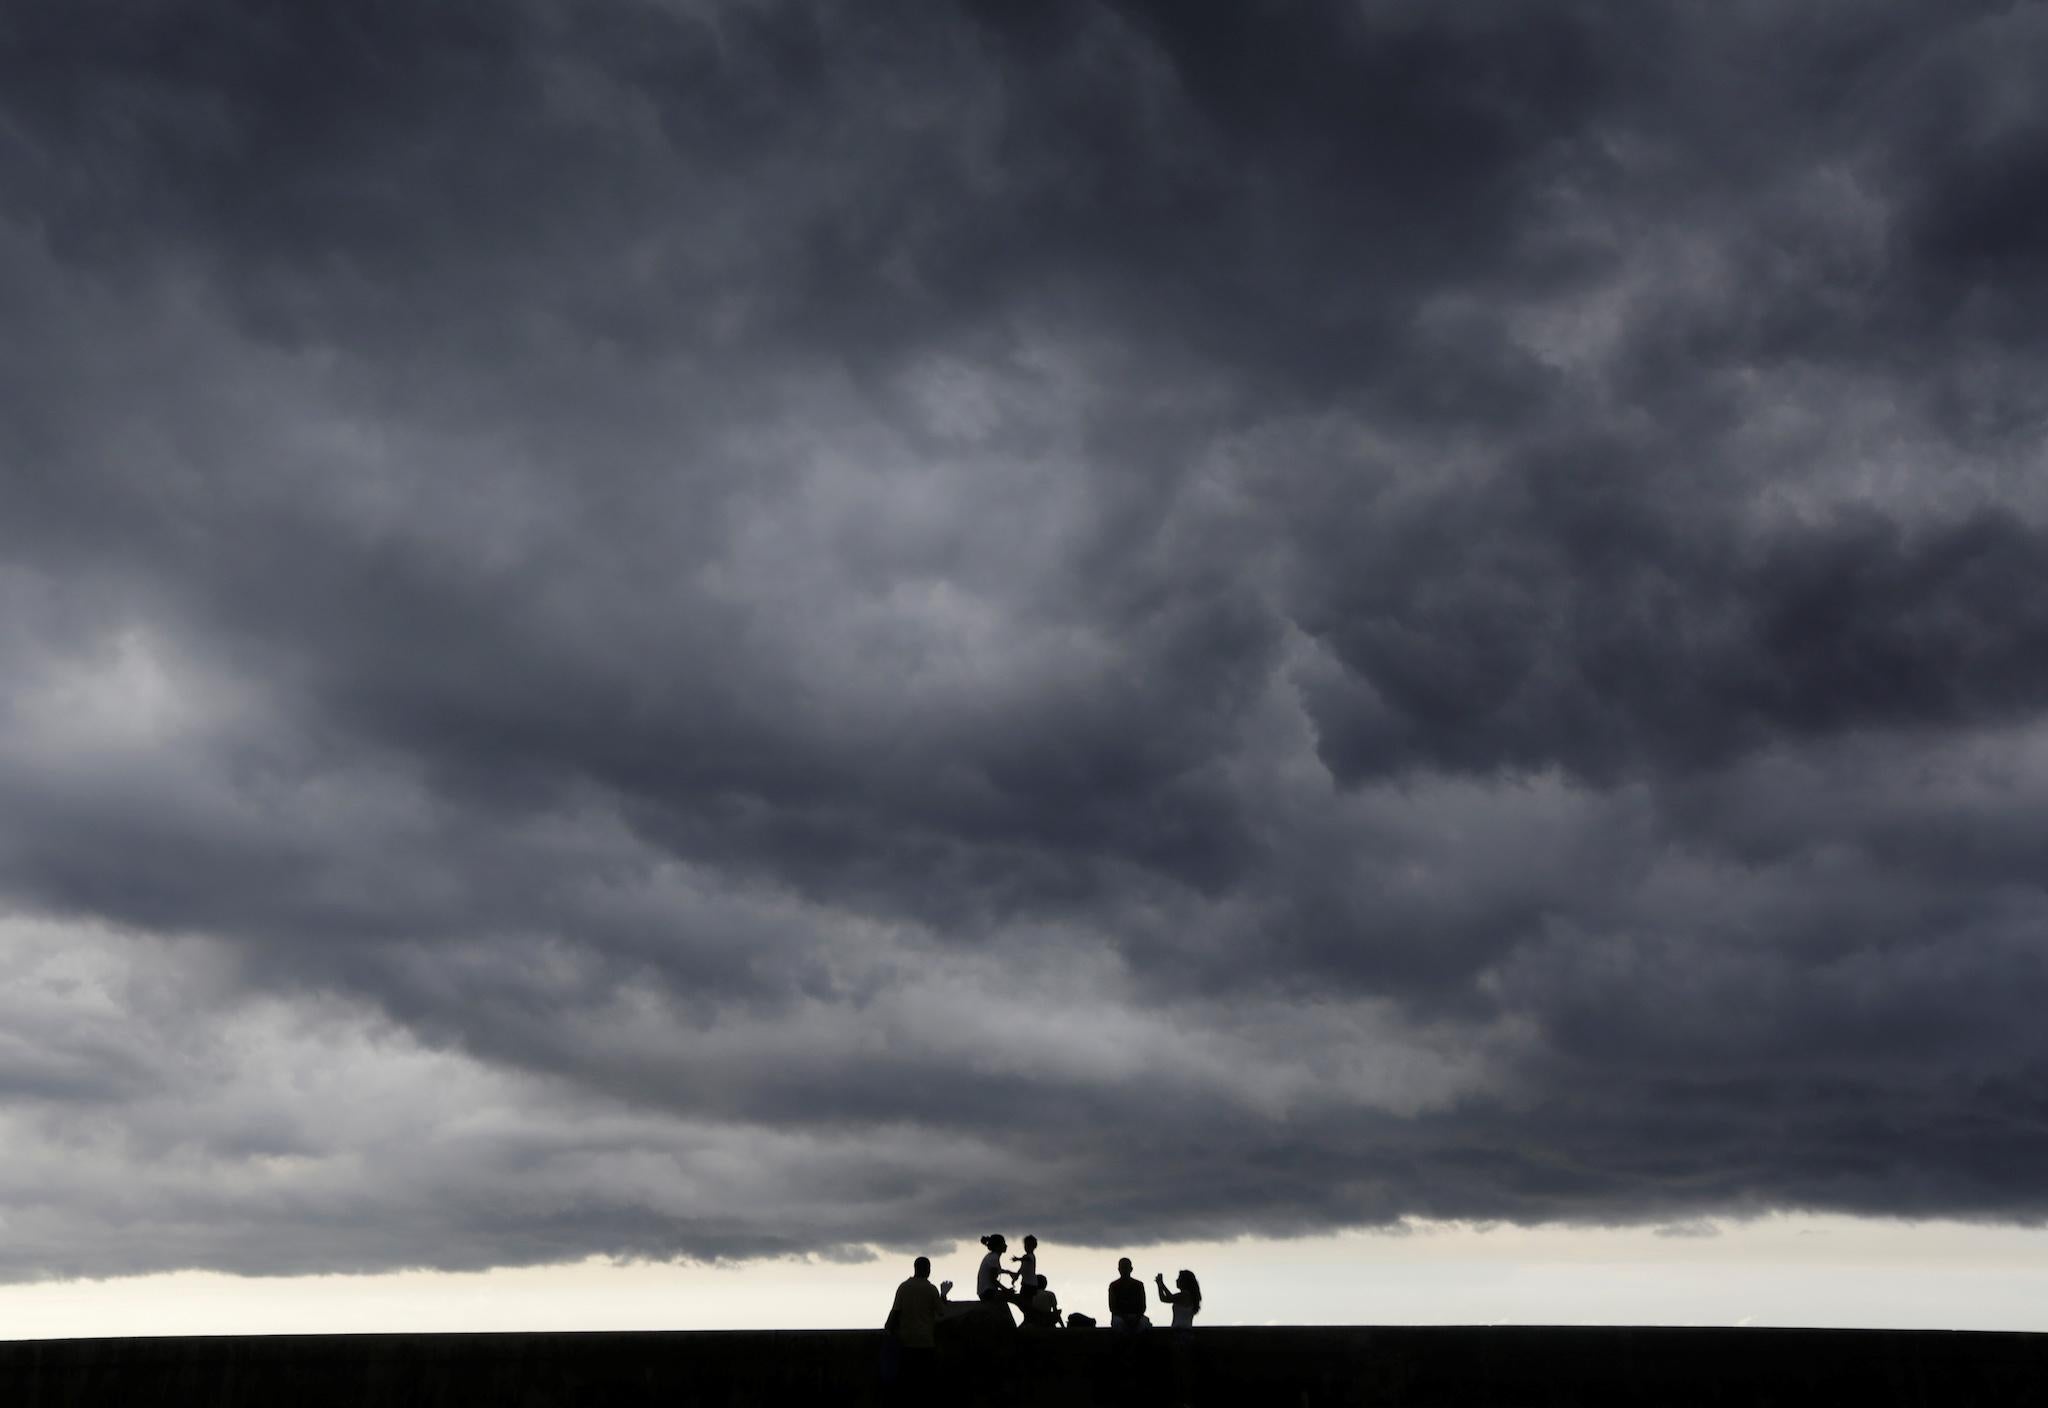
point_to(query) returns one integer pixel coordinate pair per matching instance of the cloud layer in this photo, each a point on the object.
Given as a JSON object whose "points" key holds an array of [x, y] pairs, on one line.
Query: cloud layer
{"points": [[725, 628]]}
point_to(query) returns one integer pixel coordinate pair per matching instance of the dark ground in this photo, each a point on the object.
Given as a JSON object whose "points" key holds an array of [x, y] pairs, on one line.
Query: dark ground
{"points": [[843, 1369]]}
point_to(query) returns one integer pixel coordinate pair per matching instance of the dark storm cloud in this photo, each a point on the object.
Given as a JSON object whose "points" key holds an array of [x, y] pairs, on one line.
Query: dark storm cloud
{"points": [[1531, 624], [717, 620]]}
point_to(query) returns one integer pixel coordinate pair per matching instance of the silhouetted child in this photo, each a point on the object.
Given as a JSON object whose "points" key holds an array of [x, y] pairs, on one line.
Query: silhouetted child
{"points": [[1027, 1265], [1045, 1306]]}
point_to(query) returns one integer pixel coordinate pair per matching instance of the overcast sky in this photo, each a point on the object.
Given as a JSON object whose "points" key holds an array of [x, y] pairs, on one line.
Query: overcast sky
{"points": [[715, 628]]}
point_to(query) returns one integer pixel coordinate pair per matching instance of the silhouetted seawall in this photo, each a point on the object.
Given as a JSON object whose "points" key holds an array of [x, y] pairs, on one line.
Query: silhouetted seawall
{"points": [[1292, 1366]]}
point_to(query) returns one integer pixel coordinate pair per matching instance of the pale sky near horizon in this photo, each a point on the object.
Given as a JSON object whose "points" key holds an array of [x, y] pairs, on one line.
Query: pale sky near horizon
{"points": [[640, 633], [1782, 1271]]}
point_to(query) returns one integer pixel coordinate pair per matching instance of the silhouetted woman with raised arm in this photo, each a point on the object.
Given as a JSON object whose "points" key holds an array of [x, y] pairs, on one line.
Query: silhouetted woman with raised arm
{"points": [[1186, 1303]]}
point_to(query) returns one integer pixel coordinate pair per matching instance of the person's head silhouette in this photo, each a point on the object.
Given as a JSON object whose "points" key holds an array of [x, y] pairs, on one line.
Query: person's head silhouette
{"points": [[995, 1243], [922, 1268], [1030, 1243], [1123, 1266]]}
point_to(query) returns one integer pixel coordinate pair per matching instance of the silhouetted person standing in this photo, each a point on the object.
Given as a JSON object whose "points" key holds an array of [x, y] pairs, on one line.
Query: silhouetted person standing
{"points": [[1027, 1266], [913, 1322], [1186, 1303], [1126, 1299]]}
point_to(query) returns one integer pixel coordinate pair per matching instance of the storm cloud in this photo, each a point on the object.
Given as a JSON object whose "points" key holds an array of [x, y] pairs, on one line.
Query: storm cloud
{"points": [[715, 628]]}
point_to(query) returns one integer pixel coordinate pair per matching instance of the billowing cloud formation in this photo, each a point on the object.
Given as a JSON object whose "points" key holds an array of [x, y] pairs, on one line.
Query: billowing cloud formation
{"points": [[721, 628]]}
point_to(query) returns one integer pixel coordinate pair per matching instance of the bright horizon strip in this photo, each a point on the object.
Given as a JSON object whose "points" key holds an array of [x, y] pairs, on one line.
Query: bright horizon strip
{"points": [[1786, 1270]]}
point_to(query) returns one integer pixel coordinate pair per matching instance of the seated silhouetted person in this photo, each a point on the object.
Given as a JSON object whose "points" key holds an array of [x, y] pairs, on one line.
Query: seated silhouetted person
{"points": [[1186, 1303], [1126, 1299], [995, 1301], [988, 1286], [912, 1324], [915, 1313], [1041, 1306]]}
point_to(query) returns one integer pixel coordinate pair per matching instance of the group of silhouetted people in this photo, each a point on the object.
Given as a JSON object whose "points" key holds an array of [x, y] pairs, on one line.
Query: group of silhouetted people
{"points": [[1030, 1292], [1127, 1298], [919, 1306], [983, 1324]]}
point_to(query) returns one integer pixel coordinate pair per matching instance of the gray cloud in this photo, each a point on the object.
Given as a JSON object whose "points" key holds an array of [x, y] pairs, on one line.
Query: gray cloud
{"points": [[721, 628]]}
